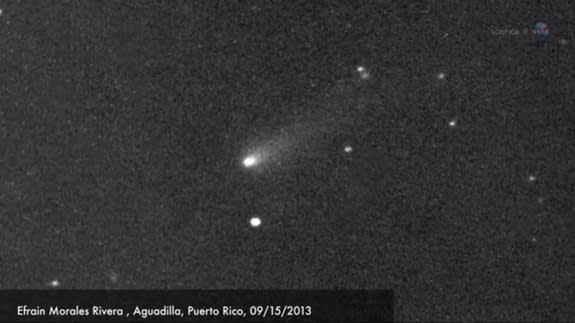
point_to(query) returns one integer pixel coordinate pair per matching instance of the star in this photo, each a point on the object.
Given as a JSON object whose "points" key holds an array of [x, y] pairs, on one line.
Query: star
{"points": [[255, 222], [540, 200], [114, 277], [348, 149], [362, 72], [441, 76], [54, 283], [452, 123], [531, 178]]}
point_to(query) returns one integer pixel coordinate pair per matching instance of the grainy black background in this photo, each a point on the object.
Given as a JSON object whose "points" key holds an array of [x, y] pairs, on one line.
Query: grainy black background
{"points": [[123, 124]]}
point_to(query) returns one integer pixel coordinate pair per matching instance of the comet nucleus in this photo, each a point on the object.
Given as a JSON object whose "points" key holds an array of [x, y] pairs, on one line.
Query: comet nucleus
{"points": [[251, 161]]}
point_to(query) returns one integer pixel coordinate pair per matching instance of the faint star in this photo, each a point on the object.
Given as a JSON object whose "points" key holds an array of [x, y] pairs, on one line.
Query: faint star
{"points": [[540, 200], [255, 222], [114, 277], [441, 76], [452, 123], [532, 178], [348, 149]]}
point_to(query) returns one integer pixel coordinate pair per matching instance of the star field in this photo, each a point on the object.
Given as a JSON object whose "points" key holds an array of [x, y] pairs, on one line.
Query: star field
{"points": [[416, 146]]}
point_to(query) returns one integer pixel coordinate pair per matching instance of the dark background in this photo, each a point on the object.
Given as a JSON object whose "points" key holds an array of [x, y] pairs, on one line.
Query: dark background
{"points": [[123, 125]]}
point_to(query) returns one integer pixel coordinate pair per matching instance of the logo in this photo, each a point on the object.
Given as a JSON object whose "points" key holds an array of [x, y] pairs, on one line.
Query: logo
{"points": [[541, 30]]}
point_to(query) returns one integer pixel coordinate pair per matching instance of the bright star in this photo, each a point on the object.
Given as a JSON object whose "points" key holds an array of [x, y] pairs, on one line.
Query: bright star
{"points": [[255, 222]]}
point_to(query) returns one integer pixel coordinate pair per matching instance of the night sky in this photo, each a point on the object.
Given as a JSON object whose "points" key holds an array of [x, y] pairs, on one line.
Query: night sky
{"points": [[425, 147]]}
